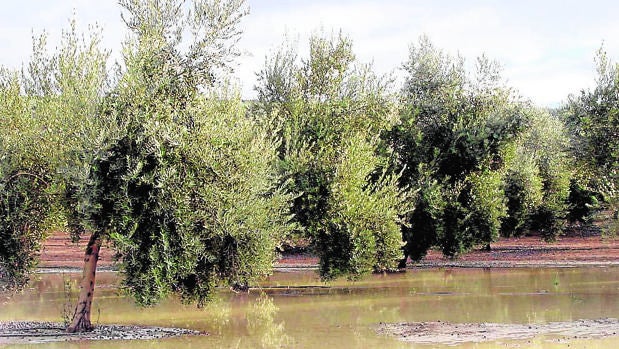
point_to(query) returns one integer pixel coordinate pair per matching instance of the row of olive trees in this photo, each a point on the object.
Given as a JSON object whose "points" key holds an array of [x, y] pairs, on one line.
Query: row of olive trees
{"points": [[451, 161], [485, 162], [193, 188]]}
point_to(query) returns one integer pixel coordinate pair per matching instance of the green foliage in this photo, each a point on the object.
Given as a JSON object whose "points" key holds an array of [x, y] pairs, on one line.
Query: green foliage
{"points": [[452, 238], [523, 191], [449, 143], [207, 29], [45, 116], [485, 162], [583, 201], [362, 233], [608, 188], [190, 208], [330, 110], [25, 204], [472, 213], [182, 183], [593, 117], [426, 221], [193, 189], [593, 120], [538, 178], [487, 205]]}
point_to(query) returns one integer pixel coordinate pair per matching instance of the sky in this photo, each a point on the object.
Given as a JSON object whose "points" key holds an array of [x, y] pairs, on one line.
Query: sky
{"points": [[546, 47]]}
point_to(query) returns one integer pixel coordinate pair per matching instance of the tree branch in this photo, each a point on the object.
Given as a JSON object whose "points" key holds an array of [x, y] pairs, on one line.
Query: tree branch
{"points": [[18, 174]]}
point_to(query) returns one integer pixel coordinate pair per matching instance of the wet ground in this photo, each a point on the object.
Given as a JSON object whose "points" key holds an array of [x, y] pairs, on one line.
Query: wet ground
{"points": [[518, 294], [294, 309], [32, 332], [456, 333]]}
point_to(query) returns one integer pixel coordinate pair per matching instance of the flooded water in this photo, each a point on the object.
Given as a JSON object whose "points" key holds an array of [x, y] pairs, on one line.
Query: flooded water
{"points": [[296, 310]]}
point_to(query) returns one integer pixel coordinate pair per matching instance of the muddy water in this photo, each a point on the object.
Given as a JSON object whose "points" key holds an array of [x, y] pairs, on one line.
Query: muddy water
{"points": [[296, 310]]}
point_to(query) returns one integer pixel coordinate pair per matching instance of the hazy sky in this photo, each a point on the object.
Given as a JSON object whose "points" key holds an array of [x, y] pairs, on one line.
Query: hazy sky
{"points": [[545, 47]]}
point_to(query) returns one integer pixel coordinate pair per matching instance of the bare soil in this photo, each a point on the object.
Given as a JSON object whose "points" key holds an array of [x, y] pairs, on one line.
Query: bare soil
{"points": [[531, 251], [451, 333], [578, 248], [572, 250]]}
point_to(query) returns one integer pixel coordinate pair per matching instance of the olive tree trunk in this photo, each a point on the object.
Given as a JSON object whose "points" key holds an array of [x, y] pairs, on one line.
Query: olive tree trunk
{"points": [[81, 317]]}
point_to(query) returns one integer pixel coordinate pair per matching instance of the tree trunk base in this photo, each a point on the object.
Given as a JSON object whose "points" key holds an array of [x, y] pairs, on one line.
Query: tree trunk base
{"points": [[81, 317], [81, 325]]}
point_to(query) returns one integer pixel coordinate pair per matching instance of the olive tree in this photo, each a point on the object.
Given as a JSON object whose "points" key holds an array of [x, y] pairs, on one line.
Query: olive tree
{"points": [[538, 178], [180, 182], [593, 120], [449, 143], [162, 164], [331, 110]]}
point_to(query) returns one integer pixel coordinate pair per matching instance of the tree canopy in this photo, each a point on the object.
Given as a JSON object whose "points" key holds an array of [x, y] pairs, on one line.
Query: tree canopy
{"points": [[593, 120], [332, 110], [181, 183], [192, 187]]}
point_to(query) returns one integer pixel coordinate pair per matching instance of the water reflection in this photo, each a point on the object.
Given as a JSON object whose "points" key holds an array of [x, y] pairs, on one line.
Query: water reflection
{"points": [[296, 310], [218, 312], [262, 324]]}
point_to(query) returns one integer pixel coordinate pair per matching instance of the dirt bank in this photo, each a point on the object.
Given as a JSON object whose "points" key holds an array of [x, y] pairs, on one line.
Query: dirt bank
{"points": [[44, 332], [572, 250], [452, 333], [530, 251]]}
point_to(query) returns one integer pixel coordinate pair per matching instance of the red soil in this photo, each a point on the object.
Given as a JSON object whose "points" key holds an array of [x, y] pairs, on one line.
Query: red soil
{"points": [[59, 252], [531, 250]]}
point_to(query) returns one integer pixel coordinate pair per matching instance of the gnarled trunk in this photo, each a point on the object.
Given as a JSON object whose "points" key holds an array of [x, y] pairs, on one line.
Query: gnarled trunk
{"points": [[81, 317]]}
